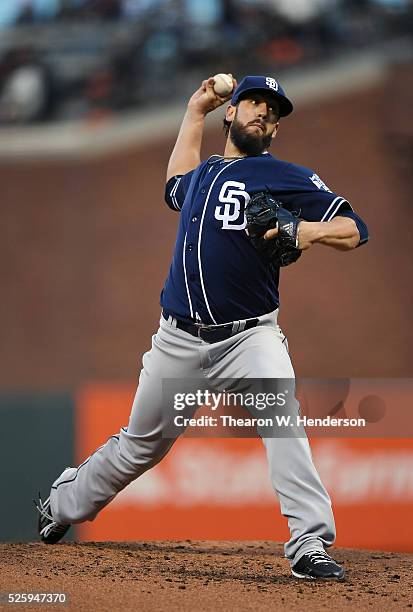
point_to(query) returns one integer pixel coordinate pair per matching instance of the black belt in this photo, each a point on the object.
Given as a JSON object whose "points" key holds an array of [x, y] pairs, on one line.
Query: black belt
{"points": [[212, 333]]}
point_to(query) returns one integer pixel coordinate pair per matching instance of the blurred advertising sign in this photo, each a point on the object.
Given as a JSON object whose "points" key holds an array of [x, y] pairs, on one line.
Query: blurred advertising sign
{"points": [[211, 487]]}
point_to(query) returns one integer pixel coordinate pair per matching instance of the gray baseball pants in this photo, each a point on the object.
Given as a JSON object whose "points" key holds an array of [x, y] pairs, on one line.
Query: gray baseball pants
{"points": [[261, 352]]}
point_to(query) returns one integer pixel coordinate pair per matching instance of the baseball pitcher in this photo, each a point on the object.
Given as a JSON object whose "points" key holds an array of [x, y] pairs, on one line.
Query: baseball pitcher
{"points": [[243, 216]]}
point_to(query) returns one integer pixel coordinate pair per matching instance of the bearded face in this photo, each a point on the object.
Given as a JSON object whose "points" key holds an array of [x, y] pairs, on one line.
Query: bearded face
{"points": [[254, 124], [252, 138]]}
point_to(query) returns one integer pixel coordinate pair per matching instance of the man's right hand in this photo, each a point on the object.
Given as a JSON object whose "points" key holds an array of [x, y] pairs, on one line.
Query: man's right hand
{"points": [[186, 154], [204, 100]]}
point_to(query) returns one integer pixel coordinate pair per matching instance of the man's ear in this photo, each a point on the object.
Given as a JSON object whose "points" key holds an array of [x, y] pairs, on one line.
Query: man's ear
{"points": [[230, 112], [274, 134]]}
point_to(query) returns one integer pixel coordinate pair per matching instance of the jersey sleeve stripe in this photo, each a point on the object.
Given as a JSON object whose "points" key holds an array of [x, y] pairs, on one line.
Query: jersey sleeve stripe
{"points": [[337, 208], [170, 196], [173, 194], [334, 207], [326, 217]]}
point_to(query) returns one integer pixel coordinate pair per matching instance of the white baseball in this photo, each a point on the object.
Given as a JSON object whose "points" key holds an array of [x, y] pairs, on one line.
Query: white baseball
{"points": [[223, 84]]}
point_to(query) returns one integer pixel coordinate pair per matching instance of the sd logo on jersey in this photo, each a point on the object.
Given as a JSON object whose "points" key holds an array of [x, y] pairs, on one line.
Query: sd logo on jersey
{"points": [[235, 198]]}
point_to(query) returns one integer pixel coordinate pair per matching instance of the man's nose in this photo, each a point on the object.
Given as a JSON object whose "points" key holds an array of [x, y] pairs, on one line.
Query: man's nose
{"points": [[262, 109]]}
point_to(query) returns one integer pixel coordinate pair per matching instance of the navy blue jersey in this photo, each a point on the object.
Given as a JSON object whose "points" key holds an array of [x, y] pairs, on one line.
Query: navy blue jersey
{"points": [[217, 275]]}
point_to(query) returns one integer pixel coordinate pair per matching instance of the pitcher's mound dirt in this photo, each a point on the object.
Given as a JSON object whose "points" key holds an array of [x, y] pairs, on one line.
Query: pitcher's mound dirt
{"points": [[188, 576]]}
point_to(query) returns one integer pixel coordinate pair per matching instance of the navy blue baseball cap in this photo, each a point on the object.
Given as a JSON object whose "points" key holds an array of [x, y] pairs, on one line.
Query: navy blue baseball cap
{"points": [[261, 84]]}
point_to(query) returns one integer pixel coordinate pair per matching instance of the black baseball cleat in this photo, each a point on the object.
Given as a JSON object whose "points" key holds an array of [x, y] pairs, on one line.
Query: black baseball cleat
{"points": [[50, 532], [317, 564]]}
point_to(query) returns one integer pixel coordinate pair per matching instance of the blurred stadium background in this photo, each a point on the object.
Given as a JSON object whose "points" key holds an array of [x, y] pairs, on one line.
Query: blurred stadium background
{"points": [[91, 95]]}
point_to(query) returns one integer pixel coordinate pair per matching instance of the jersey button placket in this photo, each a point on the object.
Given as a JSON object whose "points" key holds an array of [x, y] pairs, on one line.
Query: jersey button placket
{"points": [[191, 258]]}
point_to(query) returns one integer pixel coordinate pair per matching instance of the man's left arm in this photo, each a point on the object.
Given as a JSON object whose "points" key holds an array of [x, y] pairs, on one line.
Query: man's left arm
{"points": [[326, 217], [342, 233]]}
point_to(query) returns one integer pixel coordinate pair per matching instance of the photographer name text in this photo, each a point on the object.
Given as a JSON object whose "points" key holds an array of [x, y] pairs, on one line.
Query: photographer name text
{"points": [[276, 421]]}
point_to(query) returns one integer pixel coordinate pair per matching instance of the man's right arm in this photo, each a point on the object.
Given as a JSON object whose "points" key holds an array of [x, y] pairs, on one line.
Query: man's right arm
{"points": [[186, 154]]}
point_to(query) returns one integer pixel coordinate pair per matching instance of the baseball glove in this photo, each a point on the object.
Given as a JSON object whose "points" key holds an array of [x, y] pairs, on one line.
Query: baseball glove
{"points": [[263, 212]]}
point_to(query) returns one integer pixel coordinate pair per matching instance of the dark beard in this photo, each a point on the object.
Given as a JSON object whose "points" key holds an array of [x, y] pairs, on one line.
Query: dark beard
{"points": [[247, 142]]}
